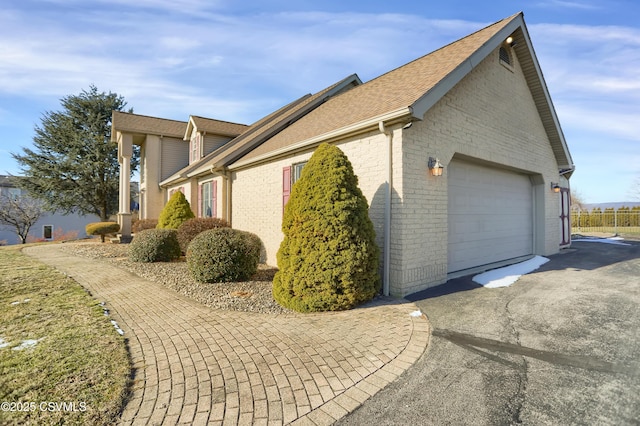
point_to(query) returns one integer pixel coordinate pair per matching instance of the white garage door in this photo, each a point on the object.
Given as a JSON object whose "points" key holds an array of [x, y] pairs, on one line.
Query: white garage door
{"points": [[490, 215]]}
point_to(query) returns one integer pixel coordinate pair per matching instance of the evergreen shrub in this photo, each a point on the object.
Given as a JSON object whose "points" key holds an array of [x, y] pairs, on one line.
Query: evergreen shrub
{"points": [[155, 245], [175, 212], [223, 255], [328, 259], [142, 224], [192, 227], [102, 229]]}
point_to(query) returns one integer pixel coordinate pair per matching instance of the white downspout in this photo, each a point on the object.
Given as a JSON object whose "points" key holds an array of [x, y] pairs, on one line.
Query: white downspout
{"points": [[227, 177], [226, 181], [386, 255]]}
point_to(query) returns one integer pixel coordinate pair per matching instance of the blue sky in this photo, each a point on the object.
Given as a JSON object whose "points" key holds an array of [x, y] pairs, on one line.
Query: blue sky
{"points": [[238, 61]]}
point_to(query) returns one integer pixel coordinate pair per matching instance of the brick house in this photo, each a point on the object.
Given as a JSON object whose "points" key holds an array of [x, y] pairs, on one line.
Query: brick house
{"points": [[476, 111]]}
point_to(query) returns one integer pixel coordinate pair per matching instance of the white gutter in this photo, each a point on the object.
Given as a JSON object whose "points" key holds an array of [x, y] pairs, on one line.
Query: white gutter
{"points": [[172, 180], [386, 255], [316, 140]]}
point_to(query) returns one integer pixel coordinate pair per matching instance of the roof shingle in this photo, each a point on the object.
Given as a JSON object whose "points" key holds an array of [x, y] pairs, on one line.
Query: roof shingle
{"points": [[134, 123], [219, 127], [396, 89]]}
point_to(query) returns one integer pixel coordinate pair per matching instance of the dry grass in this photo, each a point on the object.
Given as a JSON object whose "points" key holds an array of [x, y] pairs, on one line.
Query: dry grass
{"points": [[78, 359]]}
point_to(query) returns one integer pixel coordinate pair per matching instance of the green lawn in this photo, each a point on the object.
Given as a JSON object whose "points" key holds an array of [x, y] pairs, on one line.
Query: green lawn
{"points": [[77, 369]]}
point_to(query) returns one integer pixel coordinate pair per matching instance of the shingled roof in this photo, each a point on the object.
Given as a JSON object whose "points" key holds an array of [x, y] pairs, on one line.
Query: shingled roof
{"points": [[142, 124], [218, 127], [412, 89], [263, 129]]}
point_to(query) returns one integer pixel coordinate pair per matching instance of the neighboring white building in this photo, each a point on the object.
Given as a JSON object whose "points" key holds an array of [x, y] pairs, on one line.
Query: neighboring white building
{"points": [[477, 110], [49, 226]]}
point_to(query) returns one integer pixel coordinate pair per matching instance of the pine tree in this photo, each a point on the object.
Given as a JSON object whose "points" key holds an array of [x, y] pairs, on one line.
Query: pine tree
{"points": [[623, 216], [175, 212], [609, 217], [596, 217], [74, 165], [328, 259]]}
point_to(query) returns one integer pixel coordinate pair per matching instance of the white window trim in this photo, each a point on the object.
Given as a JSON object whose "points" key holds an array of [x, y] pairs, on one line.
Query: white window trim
{"points": [[202, 197], [296, 171], [195, 148]]}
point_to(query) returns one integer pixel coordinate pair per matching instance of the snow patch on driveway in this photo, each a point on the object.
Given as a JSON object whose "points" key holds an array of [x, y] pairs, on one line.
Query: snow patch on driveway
{"points": [[612, 240], [504, 277]]}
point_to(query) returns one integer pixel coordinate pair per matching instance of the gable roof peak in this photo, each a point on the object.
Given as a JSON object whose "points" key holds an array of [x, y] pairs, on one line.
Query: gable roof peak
{"points": [[480, 33], [215, 126], [410, 90]]}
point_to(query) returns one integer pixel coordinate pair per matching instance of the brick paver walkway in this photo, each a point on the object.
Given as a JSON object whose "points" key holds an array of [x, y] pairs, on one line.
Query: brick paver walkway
{"points": [[196, 365]]}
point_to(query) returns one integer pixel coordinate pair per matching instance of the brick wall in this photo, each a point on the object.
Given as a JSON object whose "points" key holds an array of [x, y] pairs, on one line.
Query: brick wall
{"points": [[257, 191], [489, 116]]}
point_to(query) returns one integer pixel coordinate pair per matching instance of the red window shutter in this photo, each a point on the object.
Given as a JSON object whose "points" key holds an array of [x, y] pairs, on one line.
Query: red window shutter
{"points": [[286, 185], [199, 200], [214, 199]]}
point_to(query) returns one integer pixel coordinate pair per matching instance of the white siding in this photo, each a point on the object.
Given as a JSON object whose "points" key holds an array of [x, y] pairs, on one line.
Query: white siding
{"points": [[213, 142], [175, 156]]}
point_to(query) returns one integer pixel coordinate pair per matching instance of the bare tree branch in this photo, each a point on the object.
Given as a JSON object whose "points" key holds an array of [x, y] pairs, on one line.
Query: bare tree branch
{"points": [[19, 214]]}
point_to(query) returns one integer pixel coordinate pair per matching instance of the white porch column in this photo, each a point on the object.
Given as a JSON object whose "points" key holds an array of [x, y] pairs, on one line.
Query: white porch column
{"points": [[125, 151]]}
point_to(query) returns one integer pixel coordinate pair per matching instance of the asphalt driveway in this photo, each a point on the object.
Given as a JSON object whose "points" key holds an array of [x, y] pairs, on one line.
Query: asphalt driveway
{"points": [[560, 346]]}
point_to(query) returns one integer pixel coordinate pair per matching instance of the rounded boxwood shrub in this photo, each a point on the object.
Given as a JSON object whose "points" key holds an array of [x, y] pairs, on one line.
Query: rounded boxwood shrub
{"points": [[102, 229], [175, 212], [142, 224], [223, 255], [328, 259], [192, 227], [155, 245]]}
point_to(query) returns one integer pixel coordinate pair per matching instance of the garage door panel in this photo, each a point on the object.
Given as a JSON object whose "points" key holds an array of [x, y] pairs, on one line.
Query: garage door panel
{"points": [[490, 215]]}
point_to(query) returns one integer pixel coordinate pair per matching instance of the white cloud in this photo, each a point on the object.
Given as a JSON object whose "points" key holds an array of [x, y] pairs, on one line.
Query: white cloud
{"points": [[568, 5], [592, 73], [174, 43], [175, 58], [210, 60], [614, 121]]}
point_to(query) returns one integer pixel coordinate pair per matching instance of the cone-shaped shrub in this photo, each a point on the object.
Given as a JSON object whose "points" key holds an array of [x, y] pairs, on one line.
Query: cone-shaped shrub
{"points": [[175, 212], [328, 259]]}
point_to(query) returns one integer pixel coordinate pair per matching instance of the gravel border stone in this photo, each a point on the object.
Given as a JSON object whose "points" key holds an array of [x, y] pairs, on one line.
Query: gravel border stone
{"points": [[247, 296]]}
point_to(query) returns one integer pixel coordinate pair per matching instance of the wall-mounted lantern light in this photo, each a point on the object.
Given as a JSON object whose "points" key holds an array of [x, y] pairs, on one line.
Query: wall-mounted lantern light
{"points": [[435, 166], [511, 42], [555, 187]]}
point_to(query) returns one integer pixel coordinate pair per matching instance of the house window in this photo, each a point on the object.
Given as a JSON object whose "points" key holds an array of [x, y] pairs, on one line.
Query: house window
{"points": [[47, 232], [208, 199], [194, 148], [297, 171], [290, 175]]}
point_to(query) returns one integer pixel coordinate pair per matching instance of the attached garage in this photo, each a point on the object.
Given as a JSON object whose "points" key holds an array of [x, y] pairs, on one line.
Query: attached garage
{"points": [[490, 215]]}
